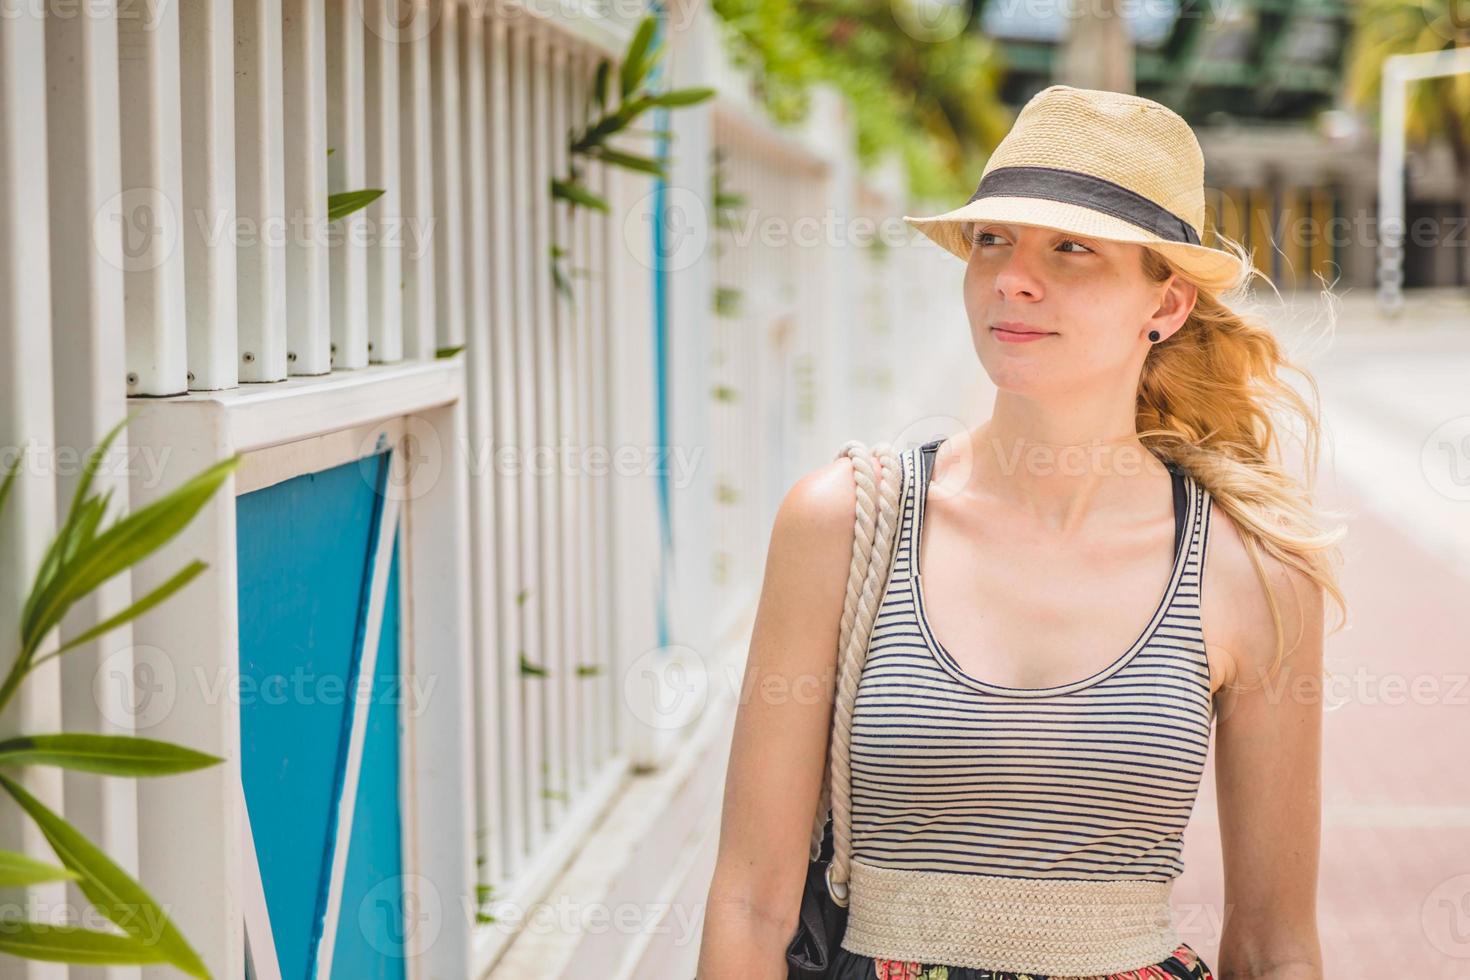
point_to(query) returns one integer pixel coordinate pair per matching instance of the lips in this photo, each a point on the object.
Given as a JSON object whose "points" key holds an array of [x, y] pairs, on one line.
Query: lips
{"points": [[1011, 327]]}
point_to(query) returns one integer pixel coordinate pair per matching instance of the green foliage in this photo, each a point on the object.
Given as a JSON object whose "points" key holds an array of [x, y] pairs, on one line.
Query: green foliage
{"points": [[1436, 106], [107, 886], [725, 204], [110, 755], [81, 557], [591, 141], [933, 102], [74, 944], [342, 204], [727, 301], [20, 869]]}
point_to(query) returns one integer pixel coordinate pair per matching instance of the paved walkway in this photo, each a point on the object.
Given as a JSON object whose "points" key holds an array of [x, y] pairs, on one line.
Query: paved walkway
{"points": [[1395, 879]]}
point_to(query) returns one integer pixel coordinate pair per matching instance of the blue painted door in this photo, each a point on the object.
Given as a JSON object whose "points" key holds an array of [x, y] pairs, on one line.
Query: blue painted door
{"points": [[319, 755]]}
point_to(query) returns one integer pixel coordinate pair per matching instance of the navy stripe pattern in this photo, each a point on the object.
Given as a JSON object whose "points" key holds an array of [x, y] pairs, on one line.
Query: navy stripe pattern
{"points": [[1092, 780]]}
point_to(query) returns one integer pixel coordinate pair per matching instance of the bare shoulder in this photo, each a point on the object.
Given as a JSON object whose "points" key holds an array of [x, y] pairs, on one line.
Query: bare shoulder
{"points": [[819, 509], [1240, 632], [809, 555]]}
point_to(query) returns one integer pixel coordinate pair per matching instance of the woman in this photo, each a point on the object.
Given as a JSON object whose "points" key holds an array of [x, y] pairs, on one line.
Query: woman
{"points": [[1021, 774]]}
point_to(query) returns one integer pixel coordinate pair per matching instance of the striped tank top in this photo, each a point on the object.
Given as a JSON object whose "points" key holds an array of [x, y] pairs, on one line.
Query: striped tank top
{"points": [[1025, 829]]}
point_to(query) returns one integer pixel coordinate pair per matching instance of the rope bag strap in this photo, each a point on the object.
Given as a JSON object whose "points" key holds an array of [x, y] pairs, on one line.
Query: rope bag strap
{"points": [[874, 530]]}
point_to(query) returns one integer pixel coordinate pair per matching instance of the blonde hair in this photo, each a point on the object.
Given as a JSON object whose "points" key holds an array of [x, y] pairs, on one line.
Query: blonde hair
{"points": [[1211, 399]]}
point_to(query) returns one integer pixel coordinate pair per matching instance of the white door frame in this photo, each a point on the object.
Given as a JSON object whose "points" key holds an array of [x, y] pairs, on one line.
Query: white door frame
{"points": [[1398, 71], [189, 824]]}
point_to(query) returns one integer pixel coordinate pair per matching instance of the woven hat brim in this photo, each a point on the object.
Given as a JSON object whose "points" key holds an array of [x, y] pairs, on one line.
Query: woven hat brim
{"points": [[1213, 268]]}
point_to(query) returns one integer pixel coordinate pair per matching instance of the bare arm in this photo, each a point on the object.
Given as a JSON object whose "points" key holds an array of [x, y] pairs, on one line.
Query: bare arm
{"points": [[779, 746], [1268, 782]]}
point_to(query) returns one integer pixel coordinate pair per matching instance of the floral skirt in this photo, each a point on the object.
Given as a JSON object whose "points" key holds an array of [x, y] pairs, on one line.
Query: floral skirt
{"points": [[1184, 964]]}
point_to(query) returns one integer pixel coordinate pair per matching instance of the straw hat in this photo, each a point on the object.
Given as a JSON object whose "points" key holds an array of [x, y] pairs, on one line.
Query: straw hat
{"points": [[1102, 165]]}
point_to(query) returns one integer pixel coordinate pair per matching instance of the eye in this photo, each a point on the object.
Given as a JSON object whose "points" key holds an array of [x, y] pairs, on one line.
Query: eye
{"points": [[981, 239]]}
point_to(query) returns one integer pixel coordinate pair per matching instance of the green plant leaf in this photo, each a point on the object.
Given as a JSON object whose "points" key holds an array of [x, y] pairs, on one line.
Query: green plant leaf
{"points": [[119, 547], [448, 351], [577, 194], [599, 83], [635, 61], [81, 517], [562, 285], [74, 944], [10, 478], [21, 869], [610, 124], [681, 96], [180, 579], [342, 204], [91, 514], [111, 755], [630, 161], [115, 894]]}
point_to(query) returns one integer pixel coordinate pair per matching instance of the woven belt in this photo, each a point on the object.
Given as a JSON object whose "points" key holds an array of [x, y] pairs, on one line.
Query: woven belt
{"points": [[1055, 927]]}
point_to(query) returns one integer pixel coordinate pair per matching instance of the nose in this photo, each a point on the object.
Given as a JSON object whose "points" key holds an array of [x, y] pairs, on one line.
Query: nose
{"points": [[1014, 277]]}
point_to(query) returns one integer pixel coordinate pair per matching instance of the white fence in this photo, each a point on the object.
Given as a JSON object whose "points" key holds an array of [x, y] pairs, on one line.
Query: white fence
{"points": [[164, 249]]}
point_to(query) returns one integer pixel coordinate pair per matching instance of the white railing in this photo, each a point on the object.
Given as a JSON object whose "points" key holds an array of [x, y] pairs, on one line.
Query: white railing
{"points": [[164, 173], [164, 180]]}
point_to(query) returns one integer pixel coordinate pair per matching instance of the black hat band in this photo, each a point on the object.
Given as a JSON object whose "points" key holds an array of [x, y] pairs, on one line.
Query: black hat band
{"points": [[1085, 190]]}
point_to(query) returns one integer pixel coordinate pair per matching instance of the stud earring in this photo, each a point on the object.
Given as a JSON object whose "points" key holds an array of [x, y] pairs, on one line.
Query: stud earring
{"points": [[1153, 335]]}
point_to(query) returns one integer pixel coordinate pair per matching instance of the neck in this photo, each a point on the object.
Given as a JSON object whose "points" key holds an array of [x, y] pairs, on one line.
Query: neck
{"points": [[1058, 469]]}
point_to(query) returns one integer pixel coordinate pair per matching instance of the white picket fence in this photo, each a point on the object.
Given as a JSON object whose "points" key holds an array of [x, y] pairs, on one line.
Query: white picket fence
{"points": [[164, 177]]}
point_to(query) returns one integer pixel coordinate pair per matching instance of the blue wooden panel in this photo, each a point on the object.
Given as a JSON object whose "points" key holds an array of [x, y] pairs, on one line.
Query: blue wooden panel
{"points": [[305, 559], [371, 941]]}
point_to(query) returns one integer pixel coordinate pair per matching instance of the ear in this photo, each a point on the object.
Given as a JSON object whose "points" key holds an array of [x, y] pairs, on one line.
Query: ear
{"points": [[1174, 306]]}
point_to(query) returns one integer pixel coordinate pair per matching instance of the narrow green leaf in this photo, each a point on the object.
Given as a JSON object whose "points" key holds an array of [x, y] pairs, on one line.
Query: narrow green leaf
{"points": [[563, 286], [342, 204], [21, 869], [528, 669], [630, 161], [682, 96], [448, 351], [561, 190], [74, 944], [111, 755], [599, 83], [180, 579], [94, 459], [93, 511], [63, 545], [108, 887], [10, 478], [119, 547], [634, 64]]}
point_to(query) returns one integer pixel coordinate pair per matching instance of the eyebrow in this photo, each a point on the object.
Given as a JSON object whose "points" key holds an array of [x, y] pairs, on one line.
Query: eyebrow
{"points": [[977, 228]]}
